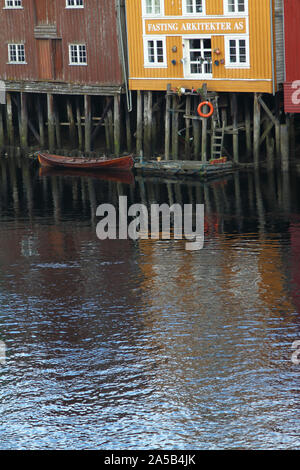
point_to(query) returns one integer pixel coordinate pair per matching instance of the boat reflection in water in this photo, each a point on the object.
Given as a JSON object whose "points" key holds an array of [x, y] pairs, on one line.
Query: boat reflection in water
{"points": [[116, 176]]}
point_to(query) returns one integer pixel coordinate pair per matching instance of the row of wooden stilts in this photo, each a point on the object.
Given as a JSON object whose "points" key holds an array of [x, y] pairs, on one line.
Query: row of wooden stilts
{"points": [[36, 120], [165, 124]]}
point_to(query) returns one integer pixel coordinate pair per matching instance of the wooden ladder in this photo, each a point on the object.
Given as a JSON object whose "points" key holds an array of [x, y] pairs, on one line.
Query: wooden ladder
{"points": [[217, 140]]}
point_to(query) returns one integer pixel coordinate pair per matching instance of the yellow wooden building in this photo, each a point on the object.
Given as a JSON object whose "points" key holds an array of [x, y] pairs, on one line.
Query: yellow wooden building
{"points": [[231, 45]]}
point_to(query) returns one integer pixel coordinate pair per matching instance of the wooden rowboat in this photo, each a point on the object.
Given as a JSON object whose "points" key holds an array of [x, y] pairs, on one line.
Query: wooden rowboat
{"points": [[103, 163]]}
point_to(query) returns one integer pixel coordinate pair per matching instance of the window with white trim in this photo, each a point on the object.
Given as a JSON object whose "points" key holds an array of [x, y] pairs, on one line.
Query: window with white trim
{"points": [[152, 7], [198, 58], [13, 3], [237, 52], [74, 4], [77, 54], [232, 7], [155, 52], [193, 7], [16, 53]]}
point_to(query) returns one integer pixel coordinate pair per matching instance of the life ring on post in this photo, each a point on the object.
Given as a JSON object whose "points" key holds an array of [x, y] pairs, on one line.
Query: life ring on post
{"points": [[211, 109]]}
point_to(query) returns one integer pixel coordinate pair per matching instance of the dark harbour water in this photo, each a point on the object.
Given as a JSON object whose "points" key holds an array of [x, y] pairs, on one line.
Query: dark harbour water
{"points": [[123, 344]]}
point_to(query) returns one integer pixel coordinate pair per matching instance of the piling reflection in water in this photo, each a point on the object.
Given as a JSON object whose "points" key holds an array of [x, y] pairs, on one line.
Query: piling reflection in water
{"points": [[123, 344]]}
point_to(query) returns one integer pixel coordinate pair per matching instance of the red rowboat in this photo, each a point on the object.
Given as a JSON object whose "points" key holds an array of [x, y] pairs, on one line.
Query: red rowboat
{"points": [[59, 161]]}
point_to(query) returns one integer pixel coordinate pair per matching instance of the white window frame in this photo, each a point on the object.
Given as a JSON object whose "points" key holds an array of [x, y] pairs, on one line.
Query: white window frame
{"points": [[11, 4], [17, 61], [148, 64], [76, 4], [235, 12], [186, 60], [144, 9], [78, 55], [186, 13], [238, 64]]}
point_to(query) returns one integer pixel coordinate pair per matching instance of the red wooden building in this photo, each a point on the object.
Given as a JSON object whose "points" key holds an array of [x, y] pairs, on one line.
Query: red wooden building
{"points": [[292, 63], [62, 47]]}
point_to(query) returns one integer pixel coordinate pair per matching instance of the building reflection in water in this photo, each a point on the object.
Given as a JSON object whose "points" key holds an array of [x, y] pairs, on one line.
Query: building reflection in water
{"points": [[191, 330]]}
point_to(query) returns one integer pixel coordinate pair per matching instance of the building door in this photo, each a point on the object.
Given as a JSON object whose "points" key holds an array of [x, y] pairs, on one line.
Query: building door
{"points": [[45, 60], [198, 58], [50, 59]]}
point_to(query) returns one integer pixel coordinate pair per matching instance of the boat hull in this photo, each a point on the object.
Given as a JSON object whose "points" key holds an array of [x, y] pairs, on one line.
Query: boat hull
{"points": [[59, 161]]}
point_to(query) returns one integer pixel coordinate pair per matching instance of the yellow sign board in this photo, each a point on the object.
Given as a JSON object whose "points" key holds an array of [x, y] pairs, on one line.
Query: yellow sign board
{"points": [[200, 26]]}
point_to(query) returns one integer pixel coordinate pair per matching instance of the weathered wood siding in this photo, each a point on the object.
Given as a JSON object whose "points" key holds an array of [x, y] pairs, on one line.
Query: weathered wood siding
{"points": [[47, 27]]}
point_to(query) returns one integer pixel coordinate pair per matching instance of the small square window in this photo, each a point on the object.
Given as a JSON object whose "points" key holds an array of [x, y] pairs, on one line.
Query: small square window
{"points": [[16, 53], [77, 54]]}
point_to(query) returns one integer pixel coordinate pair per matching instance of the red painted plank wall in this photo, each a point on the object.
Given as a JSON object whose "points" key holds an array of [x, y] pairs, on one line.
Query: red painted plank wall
{"points": [[94, 25], [292, 39], [292, 60]]}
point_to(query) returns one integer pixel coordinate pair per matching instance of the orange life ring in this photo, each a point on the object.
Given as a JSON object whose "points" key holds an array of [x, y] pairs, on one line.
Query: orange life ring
{"points": [[211, 109]]}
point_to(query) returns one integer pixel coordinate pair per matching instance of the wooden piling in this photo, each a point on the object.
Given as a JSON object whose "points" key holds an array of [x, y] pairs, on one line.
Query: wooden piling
{"points": [[155, 129], [72, 129], [277, 127], [88, 123], [204, 139], [204, 126], [24, 121], [117, 124], [2, 140], [167, 124], [128, 129], [284, 143], [107, 134], [256, 130], [79, 126], [57, 125], [187, 146], [40, 116], [292, 134], [147, 123], [248, 126], [175, 128], [9, 119], [51, 120], [109, 126], [196, 123], [235, 136], [139, 123]]}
